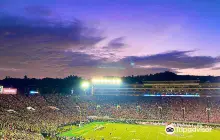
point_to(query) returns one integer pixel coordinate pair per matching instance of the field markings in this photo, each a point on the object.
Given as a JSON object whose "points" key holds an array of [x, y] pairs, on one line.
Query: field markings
{"points": [[116, 138], [129, 132]]}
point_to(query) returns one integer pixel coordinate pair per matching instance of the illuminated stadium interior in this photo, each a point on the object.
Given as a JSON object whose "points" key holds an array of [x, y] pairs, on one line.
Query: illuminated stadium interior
{"points": [[106, 106]]}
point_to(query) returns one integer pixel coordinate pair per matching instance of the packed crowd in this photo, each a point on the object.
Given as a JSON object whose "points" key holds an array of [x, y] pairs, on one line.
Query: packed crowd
{"points": [[155, 108], [43, 115], [46, 113]]}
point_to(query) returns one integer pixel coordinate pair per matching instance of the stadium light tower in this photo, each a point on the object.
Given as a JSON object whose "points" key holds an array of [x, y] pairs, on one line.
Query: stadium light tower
{"points": [[80, 117], [85, 85]]}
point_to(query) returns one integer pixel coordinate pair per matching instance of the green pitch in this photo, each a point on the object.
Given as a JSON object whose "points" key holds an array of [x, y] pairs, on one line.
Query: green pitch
{"points": [[119, 131]]}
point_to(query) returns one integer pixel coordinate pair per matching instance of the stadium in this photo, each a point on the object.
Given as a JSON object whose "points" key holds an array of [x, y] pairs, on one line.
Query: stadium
{"points": [[109, 70], [109, 108]]}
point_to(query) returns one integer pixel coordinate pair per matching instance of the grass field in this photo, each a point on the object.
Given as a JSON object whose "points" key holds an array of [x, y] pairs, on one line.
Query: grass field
{"points": [[121, 131]]}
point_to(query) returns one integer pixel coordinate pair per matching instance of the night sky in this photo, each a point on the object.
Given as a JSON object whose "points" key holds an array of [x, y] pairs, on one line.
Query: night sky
{"points": [[57, 38]]}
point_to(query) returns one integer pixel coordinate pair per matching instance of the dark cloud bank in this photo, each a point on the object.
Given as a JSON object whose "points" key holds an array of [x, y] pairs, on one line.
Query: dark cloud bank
{"points": [[52, 48]]}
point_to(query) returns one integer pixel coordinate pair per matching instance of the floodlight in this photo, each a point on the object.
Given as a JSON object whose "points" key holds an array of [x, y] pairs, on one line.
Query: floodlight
{"points": [[102, 81], [119, 81], [105, 80], [113, 81], [98, 81], [108, 81], [85, 85], [93, 80]]}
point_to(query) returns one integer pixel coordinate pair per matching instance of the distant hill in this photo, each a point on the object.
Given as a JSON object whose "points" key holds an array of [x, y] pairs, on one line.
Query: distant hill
{"points": [[65, 85], [169, 76]]}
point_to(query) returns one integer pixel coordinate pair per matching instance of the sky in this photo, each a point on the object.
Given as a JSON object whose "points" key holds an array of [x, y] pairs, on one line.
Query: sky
{"points": [[89, 38]]}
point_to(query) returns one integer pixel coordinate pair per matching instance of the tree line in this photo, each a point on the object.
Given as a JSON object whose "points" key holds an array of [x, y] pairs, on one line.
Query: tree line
{"points": [[72, 83]]}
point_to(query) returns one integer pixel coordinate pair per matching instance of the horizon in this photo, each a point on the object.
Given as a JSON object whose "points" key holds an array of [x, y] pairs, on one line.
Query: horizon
{"points": [[165, 72], [103, 38]]}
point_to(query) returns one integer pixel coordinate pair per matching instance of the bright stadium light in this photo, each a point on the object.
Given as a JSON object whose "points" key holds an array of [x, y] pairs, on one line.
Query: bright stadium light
{"points": [[107, 81], [114, 81], [94, 80], [85, 85], [119, 81], [102, 81]]}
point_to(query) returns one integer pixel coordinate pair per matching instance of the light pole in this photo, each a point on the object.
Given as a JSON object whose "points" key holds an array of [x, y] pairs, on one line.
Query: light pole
{"points": [[160, 111], [80, 115], [92, 90], [85, 85], [183, 109]]}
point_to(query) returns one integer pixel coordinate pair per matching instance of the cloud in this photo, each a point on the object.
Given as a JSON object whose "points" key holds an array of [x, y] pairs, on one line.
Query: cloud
{"points": [[216, 68], [42, 44], [25, 35], [82, 59], [38, 10], [9, 69], [24, 32], [42, 47], [116, 43], [97, 71], [173, 59]]}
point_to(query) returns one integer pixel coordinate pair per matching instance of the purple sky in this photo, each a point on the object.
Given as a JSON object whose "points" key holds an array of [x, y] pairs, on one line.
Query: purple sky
{"points": [[95, 38]]}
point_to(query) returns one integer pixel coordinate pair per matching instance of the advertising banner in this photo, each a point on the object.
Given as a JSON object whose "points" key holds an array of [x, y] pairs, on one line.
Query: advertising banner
{"points": [[9, 91]]}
